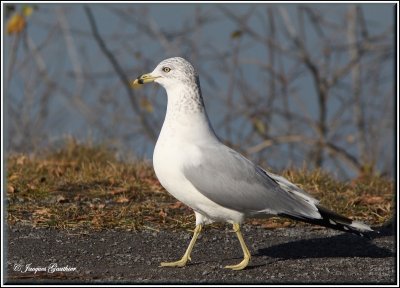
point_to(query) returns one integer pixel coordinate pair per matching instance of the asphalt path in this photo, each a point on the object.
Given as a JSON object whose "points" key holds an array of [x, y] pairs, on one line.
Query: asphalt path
{"points": [[287, 255]]}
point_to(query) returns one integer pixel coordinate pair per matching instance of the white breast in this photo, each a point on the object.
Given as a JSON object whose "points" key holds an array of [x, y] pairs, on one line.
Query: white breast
{"points": [[171, 153], [168, 162]]}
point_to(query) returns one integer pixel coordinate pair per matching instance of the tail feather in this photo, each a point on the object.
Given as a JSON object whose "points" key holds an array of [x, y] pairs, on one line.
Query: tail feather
{"points": [[335, 221]]}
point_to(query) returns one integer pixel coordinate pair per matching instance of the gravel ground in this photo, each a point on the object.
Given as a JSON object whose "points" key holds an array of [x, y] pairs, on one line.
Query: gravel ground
{"points": [[289, 255]]}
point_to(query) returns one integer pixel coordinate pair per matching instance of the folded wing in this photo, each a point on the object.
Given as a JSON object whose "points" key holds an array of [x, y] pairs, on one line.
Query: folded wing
{"points": [[240, 185]]}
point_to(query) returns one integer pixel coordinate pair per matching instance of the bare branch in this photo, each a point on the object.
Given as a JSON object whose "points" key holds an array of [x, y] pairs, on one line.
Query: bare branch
{"points": [[148, 129]]}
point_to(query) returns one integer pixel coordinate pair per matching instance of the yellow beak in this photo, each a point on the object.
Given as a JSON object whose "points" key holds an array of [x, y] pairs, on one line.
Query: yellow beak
{"points": [[145, 78]]}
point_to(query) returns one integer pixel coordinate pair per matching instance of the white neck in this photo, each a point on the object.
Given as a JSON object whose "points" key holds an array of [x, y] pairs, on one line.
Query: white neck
{"points": [[186, 116]]}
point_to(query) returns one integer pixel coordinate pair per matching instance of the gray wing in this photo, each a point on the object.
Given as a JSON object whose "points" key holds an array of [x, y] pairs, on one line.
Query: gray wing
{"points": [[232, 181]]}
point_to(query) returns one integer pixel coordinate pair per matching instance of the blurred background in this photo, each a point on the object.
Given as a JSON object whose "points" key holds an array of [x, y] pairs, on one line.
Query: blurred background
{"points": [[288, 85]]}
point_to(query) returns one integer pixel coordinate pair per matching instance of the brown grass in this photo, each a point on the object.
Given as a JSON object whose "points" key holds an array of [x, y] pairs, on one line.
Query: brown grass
{"points": [[84, 186]]}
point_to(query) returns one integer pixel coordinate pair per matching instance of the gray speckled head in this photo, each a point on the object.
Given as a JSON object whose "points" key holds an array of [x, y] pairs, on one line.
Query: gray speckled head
{"points": [[180, 69], [173, 70], [181, 81]]}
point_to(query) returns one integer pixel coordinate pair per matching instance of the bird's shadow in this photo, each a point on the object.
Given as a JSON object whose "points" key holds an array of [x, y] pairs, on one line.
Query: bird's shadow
{"points": [[343, 245]]}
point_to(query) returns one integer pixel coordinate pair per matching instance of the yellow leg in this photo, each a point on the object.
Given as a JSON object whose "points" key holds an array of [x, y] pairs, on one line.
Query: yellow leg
{"points": [[247, 256], [186, 257]]}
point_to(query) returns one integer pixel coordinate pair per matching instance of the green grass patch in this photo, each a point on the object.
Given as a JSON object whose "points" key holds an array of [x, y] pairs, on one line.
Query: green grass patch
{"points": [[85, 186]]}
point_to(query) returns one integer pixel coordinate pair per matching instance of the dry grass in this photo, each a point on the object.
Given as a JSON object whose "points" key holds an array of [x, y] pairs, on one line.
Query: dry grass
{"points": [[81, 186]]}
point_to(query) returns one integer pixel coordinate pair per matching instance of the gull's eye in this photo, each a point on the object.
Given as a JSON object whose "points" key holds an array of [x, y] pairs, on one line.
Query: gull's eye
{"points": [[166, 69]]}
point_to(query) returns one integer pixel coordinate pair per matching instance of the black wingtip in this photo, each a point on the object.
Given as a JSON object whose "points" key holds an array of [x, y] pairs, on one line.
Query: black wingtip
{"points": [[335, 221]]}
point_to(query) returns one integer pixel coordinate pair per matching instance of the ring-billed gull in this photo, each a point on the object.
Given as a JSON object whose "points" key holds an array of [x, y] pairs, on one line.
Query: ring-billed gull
{"points": [[218, 183]]}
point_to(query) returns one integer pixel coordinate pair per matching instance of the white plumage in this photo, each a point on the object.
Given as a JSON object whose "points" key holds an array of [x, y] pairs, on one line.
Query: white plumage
{"points": [[218, 183]]}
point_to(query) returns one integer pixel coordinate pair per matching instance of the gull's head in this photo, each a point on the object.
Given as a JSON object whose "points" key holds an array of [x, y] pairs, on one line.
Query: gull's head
{"points": [[170, 73]]}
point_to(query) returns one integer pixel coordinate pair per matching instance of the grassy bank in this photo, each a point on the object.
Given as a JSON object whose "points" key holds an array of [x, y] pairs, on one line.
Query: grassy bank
{"points": [[81, 186]]}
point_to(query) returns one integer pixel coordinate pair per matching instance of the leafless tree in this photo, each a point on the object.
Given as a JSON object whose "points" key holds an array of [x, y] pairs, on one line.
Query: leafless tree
{"points": [[331, 63]]}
